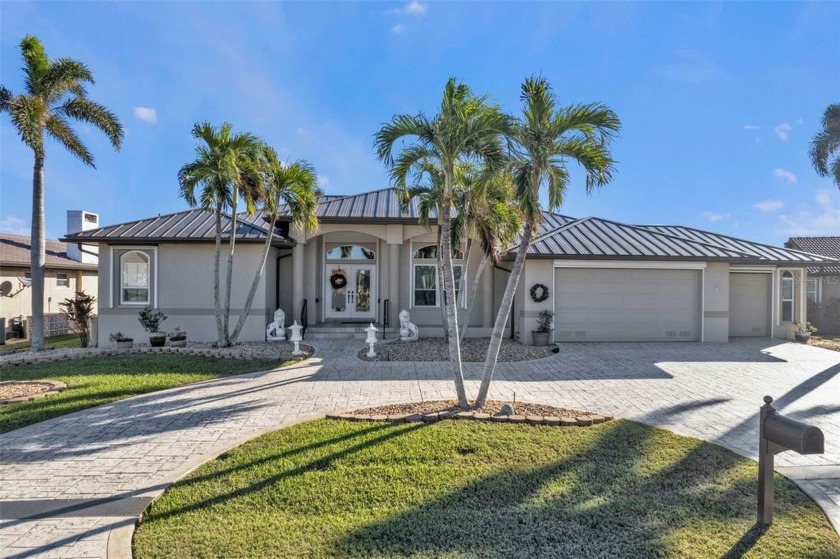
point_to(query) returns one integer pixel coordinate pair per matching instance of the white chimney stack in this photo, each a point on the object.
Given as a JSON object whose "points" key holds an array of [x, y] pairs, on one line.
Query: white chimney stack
{"points": [[79, 220]]}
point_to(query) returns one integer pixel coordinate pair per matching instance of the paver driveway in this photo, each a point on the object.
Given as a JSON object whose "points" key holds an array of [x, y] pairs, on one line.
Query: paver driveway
{"points": [[133, 448]]}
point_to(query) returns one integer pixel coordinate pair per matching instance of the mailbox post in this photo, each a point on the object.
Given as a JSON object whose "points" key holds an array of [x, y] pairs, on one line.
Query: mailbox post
{"points": [[776, 434]]}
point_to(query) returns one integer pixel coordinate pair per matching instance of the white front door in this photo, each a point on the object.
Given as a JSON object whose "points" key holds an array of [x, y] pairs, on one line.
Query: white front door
{"points": [[356, 298]]}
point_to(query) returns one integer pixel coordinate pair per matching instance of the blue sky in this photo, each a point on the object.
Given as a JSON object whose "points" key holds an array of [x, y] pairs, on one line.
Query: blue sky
{"points": [[718, 100]]}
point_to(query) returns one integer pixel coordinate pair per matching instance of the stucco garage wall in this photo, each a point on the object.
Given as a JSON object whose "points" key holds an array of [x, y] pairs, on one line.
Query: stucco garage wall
{"points": [[716, 302], [184, 286]]}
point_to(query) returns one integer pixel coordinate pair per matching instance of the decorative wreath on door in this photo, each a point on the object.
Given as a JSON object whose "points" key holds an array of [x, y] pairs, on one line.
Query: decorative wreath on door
{"points": [[539, 293], [338, 280]]}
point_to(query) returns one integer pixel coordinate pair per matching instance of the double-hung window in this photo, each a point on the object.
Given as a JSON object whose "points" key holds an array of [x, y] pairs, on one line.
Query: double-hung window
{"points": [[813, 290], [61, 280]]}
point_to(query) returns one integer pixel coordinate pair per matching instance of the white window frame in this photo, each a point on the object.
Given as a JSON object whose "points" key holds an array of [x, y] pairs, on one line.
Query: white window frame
{"points": [[148, 257], [432, 262], [59, 279], [817, 291], [787, 276]]}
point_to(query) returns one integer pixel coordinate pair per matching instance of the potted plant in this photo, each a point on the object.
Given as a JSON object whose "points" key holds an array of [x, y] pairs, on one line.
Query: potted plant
{"points": [[543, 331], [178, 337], [804, 331], [150, 320], [122, 341]]}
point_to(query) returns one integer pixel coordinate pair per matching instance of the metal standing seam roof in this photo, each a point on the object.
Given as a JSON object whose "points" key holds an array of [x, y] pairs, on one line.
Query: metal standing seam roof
{"points": [[196, 225], [593, 237], [758, 251], [826, 246]]}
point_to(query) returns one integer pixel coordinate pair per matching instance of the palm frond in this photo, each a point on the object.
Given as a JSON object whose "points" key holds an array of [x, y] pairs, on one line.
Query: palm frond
{"points": [[65, 75], [28, 114], [85, 110], [35, 63], [60, 131]]}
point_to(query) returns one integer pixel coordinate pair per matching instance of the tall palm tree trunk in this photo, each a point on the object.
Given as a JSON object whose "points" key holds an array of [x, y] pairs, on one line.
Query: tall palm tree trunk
{"points": [[229, 282], [502, 316], [471, 303], [254, 284], [38, 256], [217, 298], [443, 323], [451, 303]]}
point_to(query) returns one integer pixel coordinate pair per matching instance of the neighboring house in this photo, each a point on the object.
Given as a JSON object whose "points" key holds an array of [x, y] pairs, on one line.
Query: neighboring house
{"points": [[607, 281], [823, 281], [68, 270]]}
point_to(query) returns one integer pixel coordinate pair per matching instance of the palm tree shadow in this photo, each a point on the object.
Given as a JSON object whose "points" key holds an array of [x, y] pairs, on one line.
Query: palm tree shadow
{"points": [[592, 504]]}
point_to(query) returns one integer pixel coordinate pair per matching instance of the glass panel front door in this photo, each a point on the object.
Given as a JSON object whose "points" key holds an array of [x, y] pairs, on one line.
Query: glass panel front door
{"points": [[354, 295]]}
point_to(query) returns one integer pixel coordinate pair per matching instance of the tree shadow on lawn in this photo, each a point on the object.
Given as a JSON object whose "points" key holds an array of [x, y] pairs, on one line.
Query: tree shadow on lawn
{"points": [[609, 501]]}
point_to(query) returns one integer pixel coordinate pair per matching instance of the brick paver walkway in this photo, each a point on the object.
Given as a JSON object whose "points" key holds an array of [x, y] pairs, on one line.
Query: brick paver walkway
{"points": [[133, 448]]}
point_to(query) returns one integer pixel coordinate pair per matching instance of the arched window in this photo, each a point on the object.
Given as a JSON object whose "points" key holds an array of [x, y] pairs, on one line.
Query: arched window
{"points": [[787, 297], [134, 278], [351, 252]]}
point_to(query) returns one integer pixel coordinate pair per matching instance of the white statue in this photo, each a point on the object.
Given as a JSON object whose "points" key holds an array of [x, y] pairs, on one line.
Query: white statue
{"points": [[408, 330], [276, 331]]}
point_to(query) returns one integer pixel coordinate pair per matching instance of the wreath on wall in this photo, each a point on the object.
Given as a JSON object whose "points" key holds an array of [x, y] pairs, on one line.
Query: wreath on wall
{"points": [[338, 280], [539, 293]]}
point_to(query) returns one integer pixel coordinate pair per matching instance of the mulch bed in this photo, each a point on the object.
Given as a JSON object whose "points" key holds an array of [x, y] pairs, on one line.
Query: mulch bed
{"points": [[491, 406], [826, 343], [472, 350], [22, 390]]}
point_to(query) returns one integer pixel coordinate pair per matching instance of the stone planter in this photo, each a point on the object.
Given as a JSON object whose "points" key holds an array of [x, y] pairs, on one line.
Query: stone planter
{"points": [[126, 344], [540, 338], [178, 343], [157, 339], [802, 337]]}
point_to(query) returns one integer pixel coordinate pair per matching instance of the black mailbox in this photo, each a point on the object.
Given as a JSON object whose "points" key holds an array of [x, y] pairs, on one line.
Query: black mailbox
{"points": [[793, 435], [776, 434]]}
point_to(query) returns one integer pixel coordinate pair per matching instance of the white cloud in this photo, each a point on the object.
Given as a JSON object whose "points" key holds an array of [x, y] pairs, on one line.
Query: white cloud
{"points": [[783, 130], [13, 225], [752, 127], [714, 217], [323, 182], [824, 219], [413, 8], [785, 176], [769, 206], [398, 29], [146, 114]]}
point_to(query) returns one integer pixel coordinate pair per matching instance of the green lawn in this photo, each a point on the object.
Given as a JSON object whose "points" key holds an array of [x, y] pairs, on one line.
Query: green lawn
{"points": [[332, 488], [53, 342], [99, 380]]}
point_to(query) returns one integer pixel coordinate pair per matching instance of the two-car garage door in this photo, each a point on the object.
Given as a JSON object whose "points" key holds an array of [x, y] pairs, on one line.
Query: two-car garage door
{"points": [[628, 305]]}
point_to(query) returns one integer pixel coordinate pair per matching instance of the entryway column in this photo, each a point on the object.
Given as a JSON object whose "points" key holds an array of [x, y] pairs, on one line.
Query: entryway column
{"points": [[297, 281], [394, 285], [487, 296]]}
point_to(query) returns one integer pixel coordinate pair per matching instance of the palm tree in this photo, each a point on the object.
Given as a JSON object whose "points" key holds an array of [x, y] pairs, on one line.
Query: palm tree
{"points": [[490, 219], [467, 127], [293, 186], [826, 143], [226, 168], [428, 191], [55, 94], [543, 139]]}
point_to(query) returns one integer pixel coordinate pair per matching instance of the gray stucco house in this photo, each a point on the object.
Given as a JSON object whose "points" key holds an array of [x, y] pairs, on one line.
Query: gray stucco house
{"points": [[823, 289], [607, 281]]}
